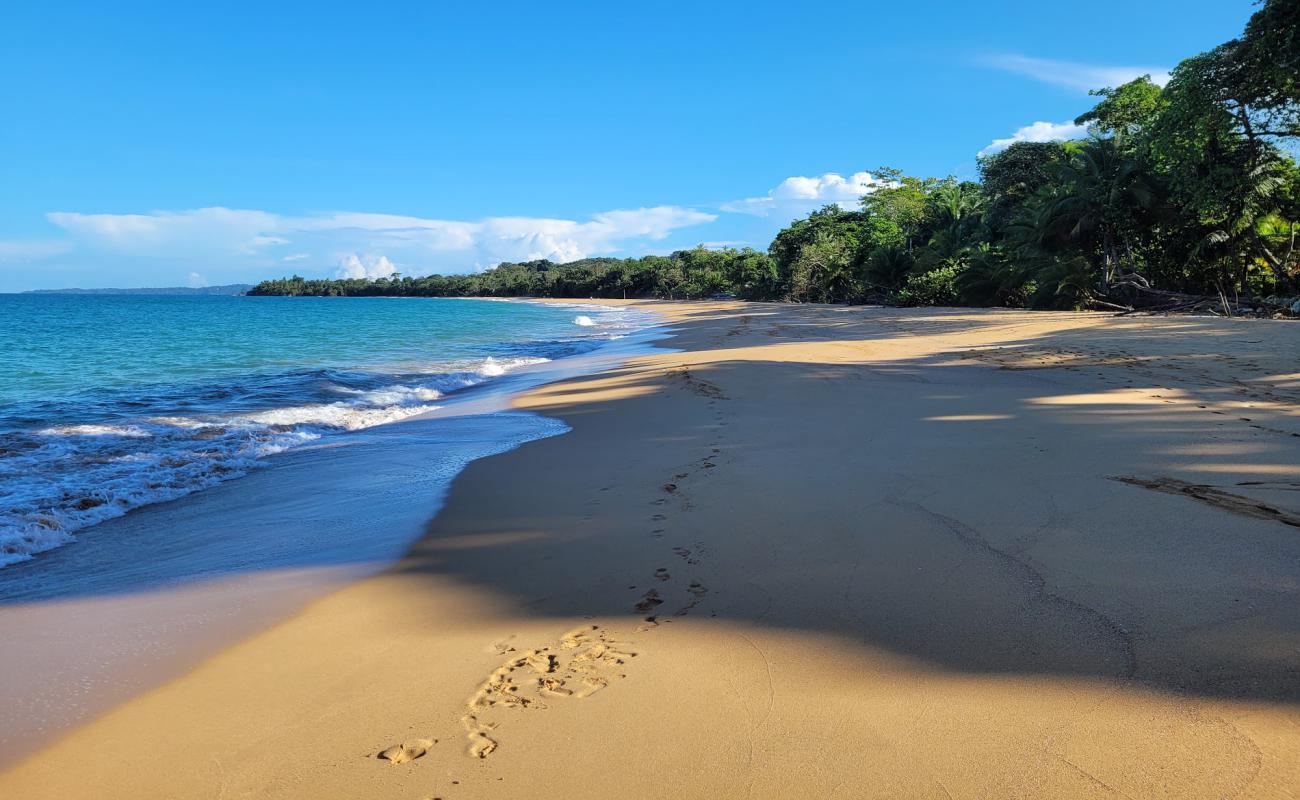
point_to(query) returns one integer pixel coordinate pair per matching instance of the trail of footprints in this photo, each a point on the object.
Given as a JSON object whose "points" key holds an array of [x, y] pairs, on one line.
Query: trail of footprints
{"points": [[587, 658], [695, 590], [653, 597]]}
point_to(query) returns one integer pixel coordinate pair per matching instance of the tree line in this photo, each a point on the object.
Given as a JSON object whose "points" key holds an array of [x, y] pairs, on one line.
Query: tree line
{"points": [[1190, 189]]}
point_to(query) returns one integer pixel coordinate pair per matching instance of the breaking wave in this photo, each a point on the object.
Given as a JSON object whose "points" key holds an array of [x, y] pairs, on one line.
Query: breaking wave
{"points": [[70, 463]]}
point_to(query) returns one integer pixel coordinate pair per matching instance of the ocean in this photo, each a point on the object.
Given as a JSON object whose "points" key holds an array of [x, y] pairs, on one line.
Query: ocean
{"points": [[110, 403]]}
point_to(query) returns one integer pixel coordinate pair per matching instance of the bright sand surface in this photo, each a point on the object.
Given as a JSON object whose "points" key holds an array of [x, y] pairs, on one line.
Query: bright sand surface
{"points": [[816, 552]]}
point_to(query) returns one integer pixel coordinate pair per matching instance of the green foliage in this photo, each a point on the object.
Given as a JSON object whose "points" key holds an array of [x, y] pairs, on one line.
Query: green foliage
{"points": [[685, 274], [1127, 110], [821, 257], [902, 206], [935, 287], [954, 218], [992, 279], [822, 270], [1268, 61], [888, 267], [1012, 176], [1225, 169]]}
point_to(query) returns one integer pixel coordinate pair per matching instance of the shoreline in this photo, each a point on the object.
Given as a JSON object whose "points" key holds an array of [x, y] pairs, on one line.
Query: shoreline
{"points": [[893, 533], [158, 432], [90, 629]]}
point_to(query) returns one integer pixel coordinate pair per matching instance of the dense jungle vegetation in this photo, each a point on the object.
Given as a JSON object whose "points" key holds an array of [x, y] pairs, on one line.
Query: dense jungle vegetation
{"points": [[1191, 188]]}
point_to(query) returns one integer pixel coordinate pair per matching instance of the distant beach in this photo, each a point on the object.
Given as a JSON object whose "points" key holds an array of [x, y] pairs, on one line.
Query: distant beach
{"points": [[804, 550]]}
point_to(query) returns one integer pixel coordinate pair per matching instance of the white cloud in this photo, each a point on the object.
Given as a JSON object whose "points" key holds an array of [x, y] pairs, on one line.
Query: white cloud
{"points": [[798, 194], [196, 280], [1073, 75], [1038, 132], [213, 230], [223, 239], [354, 265]]}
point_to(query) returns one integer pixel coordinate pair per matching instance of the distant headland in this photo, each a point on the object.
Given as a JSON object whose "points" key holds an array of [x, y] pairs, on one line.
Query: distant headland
{"points": [[228, 289]]}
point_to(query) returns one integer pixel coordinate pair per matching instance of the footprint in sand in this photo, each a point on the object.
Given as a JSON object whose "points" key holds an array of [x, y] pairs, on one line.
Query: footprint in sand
{"points": [[698, 591], [583, 661], [693, 555], [577, 637], [480, 744], [684, 553], [407, 751], [503, 646], [661, 574], [648, 601], [648, 623]]}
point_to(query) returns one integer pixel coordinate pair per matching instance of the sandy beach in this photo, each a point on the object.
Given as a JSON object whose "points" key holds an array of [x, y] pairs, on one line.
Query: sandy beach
{"points": [[803, 551]]}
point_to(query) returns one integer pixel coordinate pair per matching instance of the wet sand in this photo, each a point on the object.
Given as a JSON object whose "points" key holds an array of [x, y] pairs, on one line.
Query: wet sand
{"points": [[817, 551], [141, 599]]}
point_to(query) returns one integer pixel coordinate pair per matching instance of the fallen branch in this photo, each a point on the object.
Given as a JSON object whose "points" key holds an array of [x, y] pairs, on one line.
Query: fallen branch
{"points": [[1163, 301]]}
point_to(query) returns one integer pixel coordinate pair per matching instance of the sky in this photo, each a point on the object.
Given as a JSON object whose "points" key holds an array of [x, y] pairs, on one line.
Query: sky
{"points": [[172, 144]]}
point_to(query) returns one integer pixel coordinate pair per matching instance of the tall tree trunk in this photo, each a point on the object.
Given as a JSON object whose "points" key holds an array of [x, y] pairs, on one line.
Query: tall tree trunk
{"points": [[1108, 256]]}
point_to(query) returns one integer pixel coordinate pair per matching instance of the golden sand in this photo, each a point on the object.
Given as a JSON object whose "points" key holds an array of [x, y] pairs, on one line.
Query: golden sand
{"points": [[818, 552]]}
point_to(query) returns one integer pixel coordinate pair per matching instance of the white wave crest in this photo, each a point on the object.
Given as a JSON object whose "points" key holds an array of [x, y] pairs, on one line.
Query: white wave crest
{"points": [[493, 368], [340, 416], [74, 476], [128, 431]]}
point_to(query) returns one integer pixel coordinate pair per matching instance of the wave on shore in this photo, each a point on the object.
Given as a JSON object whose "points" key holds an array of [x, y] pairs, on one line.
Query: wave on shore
{"points": [[67, 465]]}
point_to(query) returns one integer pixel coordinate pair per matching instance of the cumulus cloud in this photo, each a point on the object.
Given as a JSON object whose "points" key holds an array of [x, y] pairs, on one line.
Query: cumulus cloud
{"points": [[1073, 75], [355, 265], [364, 244], [196, 280], [798, 194], [1038, 132]]}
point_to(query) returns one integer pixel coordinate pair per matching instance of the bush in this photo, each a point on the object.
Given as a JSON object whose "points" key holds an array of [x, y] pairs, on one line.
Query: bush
{"points": [[936, 287], [889, 266]]}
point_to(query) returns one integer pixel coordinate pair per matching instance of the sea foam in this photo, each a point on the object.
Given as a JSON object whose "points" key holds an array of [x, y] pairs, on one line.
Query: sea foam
{"points": [[63, 476]]}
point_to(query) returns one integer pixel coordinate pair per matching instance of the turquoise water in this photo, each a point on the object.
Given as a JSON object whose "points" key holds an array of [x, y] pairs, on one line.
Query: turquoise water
{"points": [[112, 402], [56, 346]]}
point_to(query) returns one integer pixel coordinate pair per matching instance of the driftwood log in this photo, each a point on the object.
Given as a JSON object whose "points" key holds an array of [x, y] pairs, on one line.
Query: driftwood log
{"points": [[1148, 300]]}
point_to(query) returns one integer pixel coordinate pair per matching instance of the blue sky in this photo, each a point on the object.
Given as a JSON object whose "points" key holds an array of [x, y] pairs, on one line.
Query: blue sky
{"points": [[174, 143]]}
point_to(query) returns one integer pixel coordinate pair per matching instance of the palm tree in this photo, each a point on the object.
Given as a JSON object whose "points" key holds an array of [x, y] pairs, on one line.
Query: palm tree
{"points": [[889, 266], [957, 210], [1106, 192], [991, 279]]}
